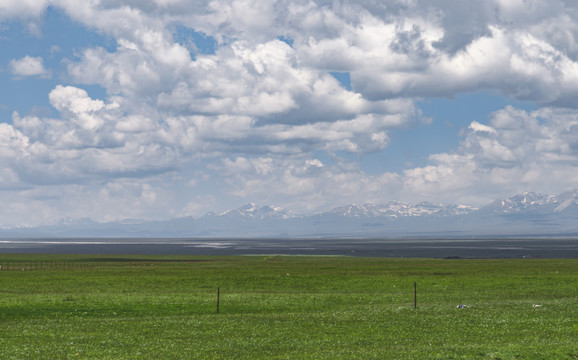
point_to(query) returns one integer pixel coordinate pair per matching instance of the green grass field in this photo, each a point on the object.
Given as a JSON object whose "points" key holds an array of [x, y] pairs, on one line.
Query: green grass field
{"points": [[285, 307]]}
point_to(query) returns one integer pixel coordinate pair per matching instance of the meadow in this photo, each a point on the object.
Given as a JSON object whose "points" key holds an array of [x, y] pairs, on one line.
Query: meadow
{"points": [[286, 307]]}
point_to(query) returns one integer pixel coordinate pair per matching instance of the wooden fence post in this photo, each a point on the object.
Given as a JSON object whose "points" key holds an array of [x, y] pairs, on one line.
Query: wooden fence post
{"points": [[218, 298], [415, 295]]}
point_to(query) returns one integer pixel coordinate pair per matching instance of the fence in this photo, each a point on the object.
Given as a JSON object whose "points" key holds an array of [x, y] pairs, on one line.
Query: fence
{"points": [[61, 265]]}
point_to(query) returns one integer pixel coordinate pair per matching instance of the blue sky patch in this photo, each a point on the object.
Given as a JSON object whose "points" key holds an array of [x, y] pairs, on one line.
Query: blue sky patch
{"points": [[344, 79], [195, 41]]}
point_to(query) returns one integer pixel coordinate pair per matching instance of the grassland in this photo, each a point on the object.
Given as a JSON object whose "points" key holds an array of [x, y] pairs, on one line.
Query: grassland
{"points": [[285, 307]]}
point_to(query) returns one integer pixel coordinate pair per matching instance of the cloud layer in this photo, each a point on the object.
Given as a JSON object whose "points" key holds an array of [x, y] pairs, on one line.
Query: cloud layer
{"points": [[185, 127]]}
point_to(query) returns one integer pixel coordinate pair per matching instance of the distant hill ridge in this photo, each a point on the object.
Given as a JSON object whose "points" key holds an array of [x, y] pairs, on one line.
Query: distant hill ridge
{"points": [[527, 214]]}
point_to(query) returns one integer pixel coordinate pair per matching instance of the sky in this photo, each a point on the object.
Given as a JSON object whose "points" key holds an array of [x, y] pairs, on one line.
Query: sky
{"points": [[160, 109]]}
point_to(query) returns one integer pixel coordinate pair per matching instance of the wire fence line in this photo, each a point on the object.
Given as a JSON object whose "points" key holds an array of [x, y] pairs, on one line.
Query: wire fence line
{"points": [[61, 265]]}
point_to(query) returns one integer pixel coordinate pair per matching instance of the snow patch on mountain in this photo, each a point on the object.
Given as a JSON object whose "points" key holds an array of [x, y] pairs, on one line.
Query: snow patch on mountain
{"points": [[397, 209], [252, 210], [521, 202], [566, 200]]}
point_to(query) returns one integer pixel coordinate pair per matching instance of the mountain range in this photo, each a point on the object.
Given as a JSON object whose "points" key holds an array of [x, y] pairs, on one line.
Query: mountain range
{"points": [[525, 215]]}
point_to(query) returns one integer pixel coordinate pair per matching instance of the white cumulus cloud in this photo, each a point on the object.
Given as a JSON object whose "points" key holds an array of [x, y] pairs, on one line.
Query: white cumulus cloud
{"points": [[29, 66]]}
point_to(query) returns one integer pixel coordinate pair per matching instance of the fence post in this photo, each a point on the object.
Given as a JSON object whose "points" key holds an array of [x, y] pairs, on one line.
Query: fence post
{"points": [[415, 295], [218, 298]]}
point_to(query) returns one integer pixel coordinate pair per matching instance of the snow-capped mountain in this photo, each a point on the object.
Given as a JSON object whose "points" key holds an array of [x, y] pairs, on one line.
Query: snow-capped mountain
{"points": [[567, 201], [527, 214], [255, 211], [520, 202], [397, 209], [534, 203]]}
